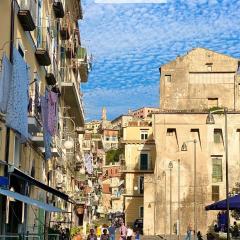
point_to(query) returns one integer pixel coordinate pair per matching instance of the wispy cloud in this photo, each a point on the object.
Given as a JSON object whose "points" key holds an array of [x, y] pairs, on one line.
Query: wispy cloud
{"points": [[130, 41]]}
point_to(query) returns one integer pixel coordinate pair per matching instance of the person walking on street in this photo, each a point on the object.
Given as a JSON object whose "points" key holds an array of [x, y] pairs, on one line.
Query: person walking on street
{"points": [[111, 231], [199, 236], [92, 235], [129, 233], [189, 232], [137, 235], [123, 232], [105, 235]]}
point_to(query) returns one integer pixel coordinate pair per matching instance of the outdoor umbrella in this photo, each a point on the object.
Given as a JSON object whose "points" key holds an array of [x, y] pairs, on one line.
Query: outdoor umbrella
{"points": [[234, 203]]}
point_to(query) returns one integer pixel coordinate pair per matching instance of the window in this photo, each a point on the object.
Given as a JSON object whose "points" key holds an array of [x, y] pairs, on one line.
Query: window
{"points": [[209, 67], [171, 131], [217, 133], [215, 193], [141, 210], [217, 169], [143, 161], [144, 134], [212, 102], [168, 78], [141, 185]]}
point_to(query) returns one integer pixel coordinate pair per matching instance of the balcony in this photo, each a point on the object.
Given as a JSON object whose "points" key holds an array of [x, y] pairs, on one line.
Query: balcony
{"points": [[58, 9], [56, 147], [42, 54], [51, 76], [82, 63], [135, 168], [65, 29], [37, 140], [71, 94], [34, 115], [27, 14]]}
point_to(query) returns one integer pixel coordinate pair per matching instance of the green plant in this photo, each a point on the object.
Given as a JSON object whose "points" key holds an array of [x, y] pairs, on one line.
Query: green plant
{"points": [[112, 155], [76, 230]]}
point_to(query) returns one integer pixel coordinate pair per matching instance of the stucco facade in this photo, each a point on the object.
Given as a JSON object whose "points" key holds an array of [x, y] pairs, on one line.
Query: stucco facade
{"points": [[139, 159], [190, 87]]}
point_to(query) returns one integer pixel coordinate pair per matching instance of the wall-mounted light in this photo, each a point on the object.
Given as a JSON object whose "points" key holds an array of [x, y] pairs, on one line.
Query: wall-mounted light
{"points": [[69, 143]]}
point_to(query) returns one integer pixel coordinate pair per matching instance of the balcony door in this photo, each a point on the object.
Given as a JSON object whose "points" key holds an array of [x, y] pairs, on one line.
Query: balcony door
{"points": [[143, 161]]}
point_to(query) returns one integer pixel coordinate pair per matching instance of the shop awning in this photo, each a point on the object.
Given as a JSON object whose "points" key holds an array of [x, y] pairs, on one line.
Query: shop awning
{"points": [[20, 174], [234, 203], [30, 201]]}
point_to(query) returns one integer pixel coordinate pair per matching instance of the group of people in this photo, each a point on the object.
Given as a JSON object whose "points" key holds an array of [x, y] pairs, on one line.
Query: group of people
{"points": [[109, 233]]}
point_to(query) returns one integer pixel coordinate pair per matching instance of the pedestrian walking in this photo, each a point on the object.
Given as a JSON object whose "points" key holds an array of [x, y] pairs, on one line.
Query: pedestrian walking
{"points": [[137, 235], [92, 235], [112, 231], [123, 232], [105, 235], [199, 236], [189, 232], [129, 233]]}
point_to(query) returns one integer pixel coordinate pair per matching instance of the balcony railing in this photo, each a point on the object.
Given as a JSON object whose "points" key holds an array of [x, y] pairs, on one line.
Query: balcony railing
{"points": [[52, 73], [42, 52], [65, 29], [27, 14], [82, 62]]}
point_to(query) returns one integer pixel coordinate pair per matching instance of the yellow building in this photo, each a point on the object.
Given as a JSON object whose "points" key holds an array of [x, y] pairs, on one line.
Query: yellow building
{"points": [[139, 159], [40, 55]]}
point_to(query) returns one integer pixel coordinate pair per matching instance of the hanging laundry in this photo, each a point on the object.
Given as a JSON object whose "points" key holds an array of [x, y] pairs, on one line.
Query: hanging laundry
{"points": [[46, 134], [88, 163], [5, 81], [17, 107], [52, 112]]}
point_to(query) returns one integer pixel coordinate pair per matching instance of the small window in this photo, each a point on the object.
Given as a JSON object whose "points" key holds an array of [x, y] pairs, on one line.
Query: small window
{"points": [[141, 210], [144, 135], [209, 68], [171, 131], [215, 193], [217, 169], [217, 136], [168, 78]]}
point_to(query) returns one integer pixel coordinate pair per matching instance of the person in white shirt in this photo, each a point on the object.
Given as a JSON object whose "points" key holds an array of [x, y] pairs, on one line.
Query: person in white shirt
{"points": [[129, 233]]}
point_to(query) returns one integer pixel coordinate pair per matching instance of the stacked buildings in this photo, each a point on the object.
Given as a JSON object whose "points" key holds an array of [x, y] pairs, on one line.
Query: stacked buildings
{"points": [[43, 164]]}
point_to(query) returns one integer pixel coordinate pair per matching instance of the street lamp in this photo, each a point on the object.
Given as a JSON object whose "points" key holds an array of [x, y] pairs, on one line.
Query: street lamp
{"points": [[210, 120], [184, 148], [170, 166]]}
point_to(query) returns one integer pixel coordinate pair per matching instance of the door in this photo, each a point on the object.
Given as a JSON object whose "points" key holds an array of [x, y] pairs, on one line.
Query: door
{"points": [[144, 161]]}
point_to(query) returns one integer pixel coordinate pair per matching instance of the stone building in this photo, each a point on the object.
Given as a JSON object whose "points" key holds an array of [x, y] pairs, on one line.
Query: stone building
{"points": [[190, 87]]}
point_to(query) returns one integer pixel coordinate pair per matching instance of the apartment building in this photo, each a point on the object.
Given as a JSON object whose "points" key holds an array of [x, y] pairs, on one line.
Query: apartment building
{"points": [[138, 160], [190, 87], [144, 112], [43, 65]]}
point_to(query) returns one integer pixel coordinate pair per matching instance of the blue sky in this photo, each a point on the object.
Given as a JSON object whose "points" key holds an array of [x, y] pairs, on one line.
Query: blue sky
{"points": [[129, 43]]}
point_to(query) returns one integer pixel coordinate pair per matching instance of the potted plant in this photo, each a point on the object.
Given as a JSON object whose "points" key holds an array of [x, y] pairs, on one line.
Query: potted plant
{"points": [[76, 233]]}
